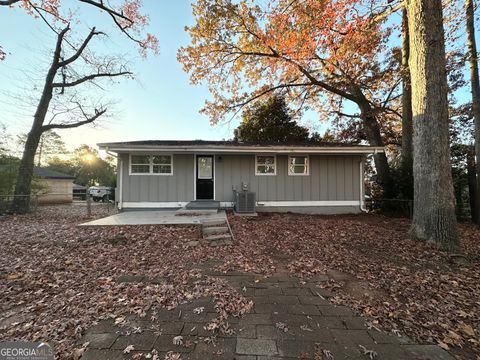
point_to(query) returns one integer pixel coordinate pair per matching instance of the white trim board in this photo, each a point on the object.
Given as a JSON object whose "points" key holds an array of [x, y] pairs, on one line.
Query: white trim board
{"points": [[212, 149], [310, 203], [153, 205], [174, 204]]}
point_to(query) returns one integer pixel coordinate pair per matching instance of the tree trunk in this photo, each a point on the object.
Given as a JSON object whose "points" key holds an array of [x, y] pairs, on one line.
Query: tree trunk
{"points": [[434, 218], [407, 118], [374, 137], [40, 150], [472, 182], [21, 200], [475, 84]]}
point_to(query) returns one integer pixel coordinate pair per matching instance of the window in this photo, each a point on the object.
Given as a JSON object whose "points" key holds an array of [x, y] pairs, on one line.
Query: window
{"points": [[205, 167], [162, 164], [151, 164], [140, 164], [298, 165], [265, 165]]}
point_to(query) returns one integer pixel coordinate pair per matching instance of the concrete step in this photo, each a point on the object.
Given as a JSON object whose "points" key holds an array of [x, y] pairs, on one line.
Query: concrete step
{"points": [[191, 212], [215, 230], [219, 222], [203, 204], [218, 237]]}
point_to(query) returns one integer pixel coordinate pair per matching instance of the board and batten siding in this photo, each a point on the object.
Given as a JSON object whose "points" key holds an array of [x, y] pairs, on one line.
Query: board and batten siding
{"points": [[159, 188], [332, 178]]}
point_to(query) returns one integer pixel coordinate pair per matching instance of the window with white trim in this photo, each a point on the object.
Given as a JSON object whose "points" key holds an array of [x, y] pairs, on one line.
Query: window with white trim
{"points": [[298, 165], [151, 164], [265, 165], [162, 164]]}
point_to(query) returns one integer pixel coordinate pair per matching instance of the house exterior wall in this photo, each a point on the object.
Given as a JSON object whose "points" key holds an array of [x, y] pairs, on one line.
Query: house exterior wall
{"points": [[331, 178], [333, 185], [60, 191], [158, 188]]}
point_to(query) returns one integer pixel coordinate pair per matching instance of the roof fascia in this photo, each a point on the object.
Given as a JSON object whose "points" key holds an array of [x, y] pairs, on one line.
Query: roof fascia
{"points": [[242, 150]]}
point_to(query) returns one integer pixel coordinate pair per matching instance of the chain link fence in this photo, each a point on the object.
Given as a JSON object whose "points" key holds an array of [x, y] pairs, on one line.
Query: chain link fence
{"points": [[36, 201]]}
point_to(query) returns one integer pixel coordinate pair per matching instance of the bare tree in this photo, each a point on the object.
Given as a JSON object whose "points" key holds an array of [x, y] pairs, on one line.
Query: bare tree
{"points": [[434, 218], [64, 81], [125, 15]]}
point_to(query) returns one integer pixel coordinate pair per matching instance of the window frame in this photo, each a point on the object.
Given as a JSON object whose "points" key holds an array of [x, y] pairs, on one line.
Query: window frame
{"points": [[307, 159], [274, 165], [150, 164]]}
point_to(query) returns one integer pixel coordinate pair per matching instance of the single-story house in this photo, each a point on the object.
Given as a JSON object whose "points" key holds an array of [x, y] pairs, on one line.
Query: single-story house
{"points": [[326, 178], [56, 187]]}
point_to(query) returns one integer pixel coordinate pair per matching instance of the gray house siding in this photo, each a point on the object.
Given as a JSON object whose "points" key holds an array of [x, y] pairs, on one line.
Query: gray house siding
{"points": [[158, 188], [332, 178]]}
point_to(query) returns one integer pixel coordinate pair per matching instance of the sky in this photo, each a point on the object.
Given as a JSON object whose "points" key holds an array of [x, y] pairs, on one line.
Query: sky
{"points": [[159, 104]]}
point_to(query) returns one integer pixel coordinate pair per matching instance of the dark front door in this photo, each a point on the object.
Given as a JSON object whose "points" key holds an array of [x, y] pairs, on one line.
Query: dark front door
{"points": [[204, 175]]}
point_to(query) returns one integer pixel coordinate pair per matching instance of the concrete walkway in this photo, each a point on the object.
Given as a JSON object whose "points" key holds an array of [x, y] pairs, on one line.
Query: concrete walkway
{"points": [[291, 319], [159, 217]]}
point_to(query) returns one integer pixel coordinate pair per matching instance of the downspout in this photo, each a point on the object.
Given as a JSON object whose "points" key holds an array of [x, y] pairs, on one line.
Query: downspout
{"points": [[362, 185], [120, 184], [120, 176]]}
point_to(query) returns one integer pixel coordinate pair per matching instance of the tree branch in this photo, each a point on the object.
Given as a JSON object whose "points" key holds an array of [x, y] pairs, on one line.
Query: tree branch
{"points": [[115, 15], [267, 91], [81, 48], [391, 10], [108, 10], [89, 77], [88, 120], [57, 52], [8, 2]]}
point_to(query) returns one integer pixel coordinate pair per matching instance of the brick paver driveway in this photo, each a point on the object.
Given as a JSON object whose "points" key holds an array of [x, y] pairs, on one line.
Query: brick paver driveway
{"points": [[291, 319]]}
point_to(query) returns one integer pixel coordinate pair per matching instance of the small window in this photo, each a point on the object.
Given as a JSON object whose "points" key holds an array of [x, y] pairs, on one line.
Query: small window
{"points": [[265, 165], [140, 164], [151, 164], [205, 167], [298, 165], [162, 164]]}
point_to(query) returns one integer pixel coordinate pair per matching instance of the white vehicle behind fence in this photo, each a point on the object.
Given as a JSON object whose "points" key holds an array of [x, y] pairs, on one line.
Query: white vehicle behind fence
{"points": [[102, 193]]}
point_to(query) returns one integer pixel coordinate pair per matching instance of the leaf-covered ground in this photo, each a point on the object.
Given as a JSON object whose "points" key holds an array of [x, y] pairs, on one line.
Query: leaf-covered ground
{"points": [[400, 284], [57, 279]]}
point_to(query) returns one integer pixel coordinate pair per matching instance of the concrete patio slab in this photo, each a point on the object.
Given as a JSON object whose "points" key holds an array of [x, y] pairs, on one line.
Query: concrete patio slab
{"points": [[159, 217]]}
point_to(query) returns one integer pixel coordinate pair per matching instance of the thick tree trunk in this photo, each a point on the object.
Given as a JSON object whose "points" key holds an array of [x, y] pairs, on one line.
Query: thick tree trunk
{"points": [[475, 84], [21, 200], [407, 118], [434, 218], [374, 137], [472, 183]]}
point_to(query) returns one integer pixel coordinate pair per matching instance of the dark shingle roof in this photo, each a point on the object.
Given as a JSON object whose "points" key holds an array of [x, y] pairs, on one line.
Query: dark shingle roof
{"points": [[50, 174]]}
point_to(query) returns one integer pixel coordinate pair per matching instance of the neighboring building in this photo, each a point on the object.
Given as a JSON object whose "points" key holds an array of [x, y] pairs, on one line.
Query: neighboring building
{"points": [[309, 178], [58, 186], [79, 192]]}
